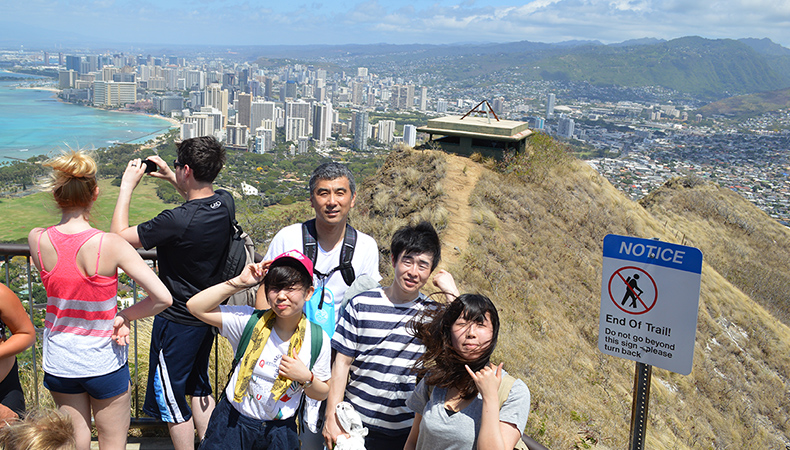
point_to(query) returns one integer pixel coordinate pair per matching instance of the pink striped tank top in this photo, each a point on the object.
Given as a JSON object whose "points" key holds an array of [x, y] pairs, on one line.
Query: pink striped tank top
{"points": [[80, 312]]}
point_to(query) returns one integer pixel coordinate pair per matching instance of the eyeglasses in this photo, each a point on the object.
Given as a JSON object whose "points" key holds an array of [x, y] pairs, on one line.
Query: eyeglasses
{"points": [[177, 164]]}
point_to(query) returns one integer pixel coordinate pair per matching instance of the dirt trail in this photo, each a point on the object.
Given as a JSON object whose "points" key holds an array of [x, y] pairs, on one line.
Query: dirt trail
{"points": [[462, 176]]}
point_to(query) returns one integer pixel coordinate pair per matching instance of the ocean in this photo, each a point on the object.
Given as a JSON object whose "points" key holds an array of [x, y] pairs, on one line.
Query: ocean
{"points": [[33, 122]]}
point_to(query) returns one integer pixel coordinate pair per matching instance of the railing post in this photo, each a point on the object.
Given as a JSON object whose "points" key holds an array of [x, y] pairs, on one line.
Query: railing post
{"points": [[136, 362], [33, 349]]}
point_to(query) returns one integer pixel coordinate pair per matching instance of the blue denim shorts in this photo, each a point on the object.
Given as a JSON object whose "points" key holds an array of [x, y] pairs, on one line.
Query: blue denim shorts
{"points": [[99, 387]]}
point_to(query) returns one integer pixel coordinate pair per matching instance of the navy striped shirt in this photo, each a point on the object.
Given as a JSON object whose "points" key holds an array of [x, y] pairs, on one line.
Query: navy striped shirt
{"points": [[373, 332]]}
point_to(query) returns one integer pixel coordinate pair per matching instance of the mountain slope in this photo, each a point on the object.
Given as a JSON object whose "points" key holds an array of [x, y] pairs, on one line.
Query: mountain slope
{"points": [[534, 247]]}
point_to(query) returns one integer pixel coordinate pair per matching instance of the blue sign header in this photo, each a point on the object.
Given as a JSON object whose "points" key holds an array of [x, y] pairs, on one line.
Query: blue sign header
{"points": [[648, 251]]}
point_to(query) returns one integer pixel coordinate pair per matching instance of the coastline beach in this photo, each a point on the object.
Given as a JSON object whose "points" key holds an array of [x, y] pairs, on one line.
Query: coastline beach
{"points": [[34, 121]]}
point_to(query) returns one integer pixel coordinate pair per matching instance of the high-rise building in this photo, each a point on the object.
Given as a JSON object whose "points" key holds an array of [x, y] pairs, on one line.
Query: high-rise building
{"points": [[302, 145], [107, 72], [357, 91], [409, 135], [203, 125], [322, 122], [550, 106], [499, 105], [188, 130], [362, 72], [237, 135], [66, 79], [217, 97], [565, 127], [167, 104], [268, 90], [294, 128], [74, 63], [197, 99], [218, 119], [386, 131], [195, 79], [290, 89], [260, 111], [301, 110], [424, 98], [110, 93], [402, 96], [243, 115], [361, 130], [264, 140], [441, 105]]}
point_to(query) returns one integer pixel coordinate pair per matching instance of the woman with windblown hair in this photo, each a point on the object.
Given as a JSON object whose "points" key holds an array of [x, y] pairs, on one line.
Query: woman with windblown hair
{"points": [[85, 358], [460, 403]]}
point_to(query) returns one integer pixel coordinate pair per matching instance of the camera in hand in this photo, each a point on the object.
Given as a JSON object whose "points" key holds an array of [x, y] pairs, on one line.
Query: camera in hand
{"points": [[150, 166]]}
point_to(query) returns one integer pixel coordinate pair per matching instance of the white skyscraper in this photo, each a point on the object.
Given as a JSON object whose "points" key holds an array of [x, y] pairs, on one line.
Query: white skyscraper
{"points": [[322, 122], [409, 135], [294, 128], [260, 111], [386, 131], [294, 110], [423, 98], [550, 105]]}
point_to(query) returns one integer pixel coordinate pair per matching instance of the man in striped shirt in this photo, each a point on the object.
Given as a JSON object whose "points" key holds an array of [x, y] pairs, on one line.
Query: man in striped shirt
{"points": [[375, 350]]}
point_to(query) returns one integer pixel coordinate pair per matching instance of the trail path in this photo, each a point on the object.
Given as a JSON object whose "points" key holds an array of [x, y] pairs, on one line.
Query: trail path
{"points": [[462, 176]]}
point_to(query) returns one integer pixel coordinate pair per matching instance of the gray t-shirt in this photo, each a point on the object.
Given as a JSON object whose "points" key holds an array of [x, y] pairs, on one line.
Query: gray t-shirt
{"points": [[440, 429]]}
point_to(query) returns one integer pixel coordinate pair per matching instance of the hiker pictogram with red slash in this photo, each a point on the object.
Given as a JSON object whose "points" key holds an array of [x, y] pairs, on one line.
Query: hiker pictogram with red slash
{"points": [[634, 284]]}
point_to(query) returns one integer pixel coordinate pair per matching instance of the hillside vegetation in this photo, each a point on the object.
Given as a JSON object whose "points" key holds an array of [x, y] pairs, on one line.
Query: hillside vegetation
{"points": [[536, 226], [749, 105]]}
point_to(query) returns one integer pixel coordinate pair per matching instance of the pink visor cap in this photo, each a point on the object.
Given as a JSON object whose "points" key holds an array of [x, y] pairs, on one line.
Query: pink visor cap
{"points": [[296, 259]]}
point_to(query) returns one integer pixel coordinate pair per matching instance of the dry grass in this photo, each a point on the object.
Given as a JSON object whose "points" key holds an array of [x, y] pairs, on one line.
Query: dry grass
{"points": [[740, 241], [535, 245], [407, 189]]}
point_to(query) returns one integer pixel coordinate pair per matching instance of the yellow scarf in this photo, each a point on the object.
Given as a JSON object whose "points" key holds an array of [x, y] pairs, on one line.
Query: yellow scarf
{"points": [[260, 334]]}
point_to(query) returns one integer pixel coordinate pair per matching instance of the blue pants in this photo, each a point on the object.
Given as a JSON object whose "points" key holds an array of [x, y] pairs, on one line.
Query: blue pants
{"points": [[228, 428]]}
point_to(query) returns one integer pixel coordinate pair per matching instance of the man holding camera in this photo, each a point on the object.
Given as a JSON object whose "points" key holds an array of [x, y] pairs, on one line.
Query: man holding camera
{"points": [[190, 241]]}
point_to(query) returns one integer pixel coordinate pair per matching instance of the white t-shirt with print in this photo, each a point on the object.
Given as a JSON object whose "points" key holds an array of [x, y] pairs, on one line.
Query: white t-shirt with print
{"points": [[258, 403]]}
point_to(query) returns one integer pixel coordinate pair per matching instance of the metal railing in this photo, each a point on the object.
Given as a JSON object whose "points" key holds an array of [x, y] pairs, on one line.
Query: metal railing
{"points": [[7, 252]]}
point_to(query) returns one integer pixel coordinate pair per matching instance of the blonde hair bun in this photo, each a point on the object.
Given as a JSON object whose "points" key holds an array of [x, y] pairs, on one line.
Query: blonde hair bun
{"points": [[73, 179]]}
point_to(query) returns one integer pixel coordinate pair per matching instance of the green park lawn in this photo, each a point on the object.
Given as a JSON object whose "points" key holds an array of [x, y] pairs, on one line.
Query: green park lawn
{"points": [[19, 215]]}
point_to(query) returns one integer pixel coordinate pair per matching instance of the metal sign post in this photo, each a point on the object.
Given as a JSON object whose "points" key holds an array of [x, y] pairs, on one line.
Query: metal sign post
{"points": [[642, 376]]}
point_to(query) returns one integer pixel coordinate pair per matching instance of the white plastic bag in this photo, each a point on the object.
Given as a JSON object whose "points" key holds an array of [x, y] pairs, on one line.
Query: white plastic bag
{"points": [[351, 423]]}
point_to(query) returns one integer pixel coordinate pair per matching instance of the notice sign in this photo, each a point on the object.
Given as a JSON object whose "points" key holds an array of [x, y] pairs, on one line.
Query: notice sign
{"points": [[649, 301]]}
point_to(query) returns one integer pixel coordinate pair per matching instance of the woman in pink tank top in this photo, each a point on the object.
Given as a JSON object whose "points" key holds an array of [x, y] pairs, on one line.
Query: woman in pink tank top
{"points": [[85, 337]]}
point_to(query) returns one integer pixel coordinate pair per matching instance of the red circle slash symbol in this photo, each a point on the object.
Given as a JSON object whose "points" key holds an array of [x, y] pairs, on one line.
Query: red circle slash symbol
{"points": [[624, 285]]}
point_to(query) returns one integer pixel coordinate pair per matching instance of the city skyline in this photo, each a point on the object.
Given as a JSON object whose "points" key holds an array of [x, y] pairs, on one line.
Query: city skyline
{"points": [[252, 22]]}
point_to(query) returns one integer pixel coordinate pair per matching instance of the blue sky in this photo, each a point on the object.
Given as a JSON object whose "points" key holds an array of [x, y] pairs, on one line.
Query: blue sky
{"points": [[253, 22]]}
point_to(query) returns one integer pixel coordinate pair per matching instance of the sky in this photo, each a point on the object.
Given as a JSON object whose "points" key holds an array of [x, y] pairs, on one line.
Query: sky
{"points": [[255, 22]]}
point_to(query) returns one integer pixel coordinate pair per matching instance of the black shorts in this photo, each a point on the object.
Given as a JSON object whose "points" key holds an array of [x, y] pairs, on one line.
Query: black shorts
{"points": [[11, 394], [178, 366]]}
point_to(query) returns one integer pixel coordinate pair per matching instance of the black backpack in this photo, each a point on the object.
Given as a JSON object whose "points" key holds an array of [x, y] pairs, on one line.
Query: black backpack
{"points": [[241, 251], [310, 247]]}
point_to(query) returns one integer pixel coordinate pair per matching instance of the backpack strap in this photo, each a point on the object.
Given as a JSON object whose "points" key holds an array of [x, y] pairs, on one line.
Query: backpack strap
{"points": [[245, 337], [309, 240], [316, 341], [310, 249], [347, 254], [504, 388], [243, 341]]}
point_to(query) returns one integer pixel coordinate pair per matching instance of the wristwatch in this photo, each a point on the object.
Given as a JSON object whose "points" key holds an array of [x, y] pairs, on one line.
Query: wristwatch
{"points": [[309, 383]]}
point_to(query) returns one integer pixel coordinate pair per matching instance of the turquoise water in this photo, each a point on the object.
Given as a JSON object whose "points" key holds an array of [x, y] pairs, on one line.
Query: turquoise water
{"points": [[34, 122]]}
